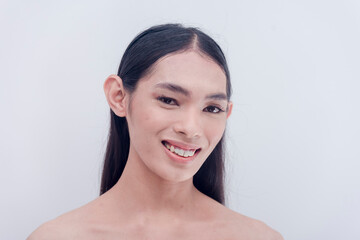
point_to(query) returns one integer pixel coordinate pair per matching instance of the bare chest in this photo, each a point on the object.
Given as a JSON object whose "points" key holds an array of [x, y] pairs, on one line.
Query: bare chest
{"points": [[162, 232]]}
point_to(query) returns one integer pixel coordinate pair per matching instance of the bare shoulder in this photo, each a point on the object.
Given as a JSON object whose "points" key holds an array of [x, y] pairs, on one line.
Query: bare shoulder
{"points": [[260, 230], [85, 222], [55, 229], [244, 227], [69, 225]]}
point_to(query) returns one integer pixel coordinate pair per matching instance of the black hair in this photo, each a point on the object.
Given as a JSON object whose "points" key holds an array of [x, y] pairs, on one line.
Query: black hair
{"points": [[138, 59]]}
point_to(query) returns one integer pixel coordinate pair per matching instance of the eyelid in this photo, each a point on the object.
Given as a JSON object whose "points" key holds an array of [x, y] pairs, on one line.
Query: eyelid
{"points": [[218, 105], [162, 97], [220, 109]]}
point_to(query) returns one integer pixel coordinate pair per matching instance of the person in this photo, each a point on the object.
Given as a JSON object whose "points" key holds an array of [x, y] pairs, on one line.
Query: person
{"points": [[164, 163]]}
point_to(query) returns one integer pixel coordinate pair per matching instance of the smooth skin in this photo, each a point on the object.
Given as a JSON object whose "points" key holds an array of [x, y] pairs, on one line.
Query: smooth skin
{"points": [[180, 100]]}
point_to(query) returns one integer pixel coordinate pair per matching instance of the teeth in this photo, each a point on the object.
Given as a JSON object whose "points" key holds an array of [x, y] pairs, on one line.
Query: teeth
{"points": [[179, 151]]}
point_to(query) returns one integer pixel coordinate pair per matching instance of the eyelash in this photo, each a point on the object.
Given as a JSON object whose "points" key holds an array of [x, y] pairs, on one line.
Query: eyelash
{"points": [[166, 100]]}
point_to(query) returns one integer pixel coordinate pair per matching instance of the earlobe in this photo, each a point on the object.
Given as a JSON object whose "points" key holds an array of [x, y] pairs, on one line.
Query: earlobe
{"points": [[116, 95], [230, 106]]}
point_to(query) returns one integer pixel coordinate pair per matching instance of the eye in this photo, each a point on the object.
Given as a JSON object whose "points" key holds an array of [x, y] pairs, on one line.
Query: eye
{"points": [[167, 100], [213, 109]]}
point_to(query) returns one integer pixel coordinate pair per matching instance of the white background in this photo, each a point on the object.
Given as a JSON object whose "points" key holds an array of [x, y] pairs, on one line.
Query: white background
{"points": [[294, 136]]}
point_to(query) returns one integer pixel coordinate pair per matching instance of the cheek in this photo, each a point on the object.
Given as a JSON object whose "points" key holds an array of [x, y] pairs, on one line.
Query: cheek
{"points": [[151, 119], [214, 130], [148, 122]]}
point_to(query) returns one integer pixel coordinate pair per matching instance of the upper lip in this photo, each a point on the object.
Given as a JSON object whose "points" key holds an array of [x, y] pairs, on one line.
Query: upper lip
{"points": [[185, 146]]}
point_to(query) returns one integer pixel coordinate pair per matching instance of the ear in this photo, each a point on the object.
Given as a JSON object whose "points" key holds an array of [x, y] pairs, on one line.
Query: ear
{"points": [[116, 95], [229, 110]]}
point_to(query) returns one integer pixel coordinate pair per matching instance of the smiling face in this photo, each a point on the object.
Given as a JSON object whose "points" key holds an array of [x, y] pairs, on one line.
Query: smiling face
{"points": [[177, 115]]}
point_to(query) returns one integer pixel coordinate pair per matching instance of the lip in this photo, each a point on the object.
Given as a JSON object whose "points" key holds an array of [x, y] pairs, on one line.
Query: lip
{"points": [[180, 159], [184, 146]]}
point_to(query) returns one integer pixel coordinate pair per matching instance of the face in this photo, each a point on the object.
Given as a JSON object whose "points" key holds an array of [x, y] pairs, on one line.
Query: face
{"points": [[177, 115]]}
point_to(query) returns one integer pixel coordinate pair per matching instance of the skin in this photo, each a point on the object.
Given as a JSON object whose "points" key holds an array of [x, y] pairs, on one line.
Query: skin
{"points": [[155, 197]]}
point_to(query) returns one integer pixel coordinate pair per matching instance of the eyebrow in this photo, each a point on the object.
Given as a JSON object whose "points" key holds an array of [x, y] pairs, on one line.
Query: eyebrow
{"points": [[178, 89]]}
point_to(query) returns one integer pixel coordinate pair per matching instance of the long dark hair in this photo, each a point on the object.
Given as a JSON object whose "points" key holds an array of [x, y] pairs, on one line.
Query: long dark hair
{"points": [[139, 57]]}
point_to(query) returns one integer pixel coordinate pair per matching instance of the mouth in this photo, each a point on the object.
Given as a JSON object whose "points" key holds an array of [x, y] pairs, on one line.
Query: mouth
{"points": [[185, 154]]}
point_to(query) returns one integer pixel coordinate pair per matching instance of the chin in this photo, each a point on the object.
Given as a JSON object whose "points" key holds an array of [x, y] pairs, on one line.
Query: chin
{"points": [[176, 176]]}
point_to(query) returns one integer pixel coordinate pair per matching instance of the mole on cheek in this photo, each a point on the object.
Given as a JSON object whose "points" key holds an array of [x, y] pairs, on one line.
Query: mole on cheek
{"points": [[146, 117]]}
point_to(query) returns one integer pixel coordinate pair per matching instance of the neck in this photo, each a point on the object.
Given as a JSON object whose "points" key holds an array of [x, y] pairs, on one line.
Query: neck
{"points": [[141, 190]]}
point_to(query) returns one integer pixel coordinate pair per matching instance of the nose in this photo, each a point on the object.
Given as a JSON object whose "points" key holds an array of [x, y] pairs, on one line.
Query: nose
{"points": [[188, 125]]}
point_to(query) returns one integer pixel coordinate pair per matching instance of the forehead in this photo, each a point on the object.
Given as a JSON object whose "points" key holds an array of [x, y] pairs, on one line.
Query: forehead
{"points": [[191, 70]]}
